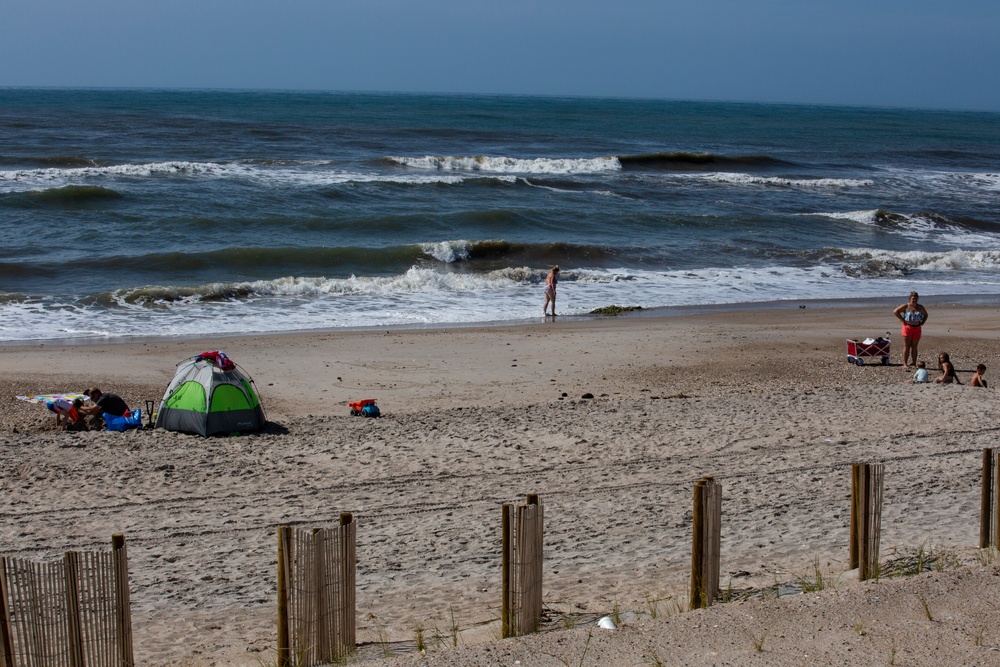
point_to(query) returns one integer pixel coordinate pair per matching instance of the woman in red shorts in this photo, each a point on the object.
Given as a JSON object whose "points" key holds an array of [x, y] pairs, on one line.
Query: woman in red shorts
{"points": [[913, 316]]}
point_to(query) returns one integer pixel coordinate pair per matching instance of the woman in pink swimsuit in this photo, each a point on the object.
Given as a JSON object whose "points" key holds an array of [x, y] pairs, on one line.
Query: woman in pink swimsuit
{"points": [[550, 291], [913, 316]]}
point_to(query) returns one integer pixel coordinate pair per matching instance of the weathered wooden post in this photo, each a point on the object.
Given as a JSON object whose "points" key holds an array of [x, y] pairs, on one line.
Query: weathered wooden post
{"points": [[853, 540], [866, 517], [348, 564], [506, 620], [6, 644], [123, 602], [71, 568], [706, 540], [284, 563], [995, 507], [320, 577], [986, 509], [531, 547], [521, 567]]}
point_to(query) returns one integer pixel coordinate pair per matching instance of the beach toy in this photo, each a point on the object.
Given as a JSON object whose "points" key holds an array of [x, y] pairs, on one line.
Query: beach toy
{"points": [[366, 407], [607, 623]]}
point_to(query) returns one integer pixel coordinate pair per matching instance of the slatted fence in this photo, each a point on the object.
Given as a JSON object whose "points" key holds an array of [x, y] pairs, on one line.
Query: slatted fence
{"points": [[521, 567], [316, 594], [70, 613]]}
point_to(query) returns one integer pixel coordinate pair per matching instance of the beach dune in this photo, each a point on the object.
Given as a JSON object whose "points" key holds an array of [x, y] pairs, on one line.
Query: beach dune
{"points": [[763, 400]]}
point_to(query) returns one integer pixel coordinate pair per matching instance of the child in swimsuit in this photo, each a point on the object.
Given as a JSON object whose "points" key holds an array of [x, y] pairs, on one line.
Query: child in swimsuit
{"points": [[67, 413], [947, 370], [978, 380]]}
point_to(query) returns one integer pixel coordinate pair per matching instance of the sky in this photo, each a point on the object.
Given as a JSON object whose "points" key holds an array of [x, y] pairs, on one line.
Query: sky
{"points": [[921, 53]]}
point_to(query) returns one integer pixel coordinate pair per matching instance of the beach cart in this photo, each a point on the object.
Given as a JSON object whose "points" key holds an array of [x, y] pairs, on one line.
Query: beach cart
{"points": [[869, 347]]}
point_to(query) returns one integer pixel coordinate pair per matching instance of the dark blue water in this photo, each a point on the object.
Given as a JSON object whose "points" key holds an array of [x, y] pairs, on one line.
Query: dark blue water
{"points": [[141, 212]]}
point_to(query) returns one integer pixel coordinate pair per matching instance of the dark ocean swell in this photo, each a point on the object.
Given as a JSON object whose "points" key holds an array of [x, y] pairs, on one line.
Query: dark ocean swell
{"points": [[698, 162], [48, 161], [65, 196], [252, 263]]}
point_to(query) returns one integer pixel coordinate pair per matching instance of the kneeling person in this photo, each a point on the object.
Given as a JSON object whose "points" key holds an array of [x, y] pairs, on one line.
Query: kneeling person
{"points": [[111, 404]]}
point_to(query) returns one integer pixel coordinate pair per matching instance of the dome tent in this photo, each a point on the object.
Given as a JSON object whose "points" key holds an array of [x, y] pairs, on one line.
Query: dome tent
{"points": [[210, 394]]}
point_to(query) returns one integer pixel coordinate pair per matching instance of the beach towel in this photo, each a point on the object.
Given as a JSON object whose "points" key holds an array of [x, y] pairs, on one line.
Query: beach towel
{"points": [[51, 398], [218, 358]]}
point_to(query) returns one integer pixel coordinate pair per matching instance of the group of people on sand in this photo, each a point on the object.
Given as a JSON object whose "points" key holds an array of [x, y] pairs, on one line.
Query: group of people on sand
{"points": [[75, 416], [913, 316]]}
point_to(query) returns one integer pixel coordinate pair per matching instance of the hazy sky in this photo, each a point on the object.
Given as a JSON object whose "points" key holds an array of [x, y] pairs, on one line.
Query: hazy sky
{"points": [[919, 53]]}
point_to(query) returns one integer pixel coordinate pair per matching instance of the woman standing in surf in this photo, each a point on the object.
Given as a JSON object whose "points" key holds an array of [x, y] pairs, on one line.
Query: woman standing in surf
{"points": [[550, 291]]}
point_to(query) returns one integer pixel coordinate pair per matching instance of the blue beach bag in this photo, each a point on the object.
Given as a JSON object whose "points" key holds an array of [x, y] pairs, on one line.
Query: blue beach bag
{"points": [[125, 422]]}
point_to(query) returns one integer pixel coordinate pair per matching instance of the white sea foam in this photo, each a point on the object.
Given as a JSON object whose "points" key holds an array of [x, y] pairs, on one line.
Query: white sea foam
{"points": [[917, 260], [918, 226], [777, 181], [25, 180], [510, 165], [968, 185], [447, 251], [426, 296]]}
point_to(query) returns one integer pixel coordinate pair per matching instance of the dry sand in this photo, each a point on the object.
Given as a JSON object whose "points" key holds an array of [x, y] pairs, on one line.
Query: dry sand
{"points": [[474, 417]]}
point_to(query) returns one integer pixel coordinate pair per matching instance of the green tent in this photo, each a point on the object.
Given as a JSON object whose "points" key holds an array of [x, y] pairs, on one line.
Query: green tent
{"points": [[210, 394]]}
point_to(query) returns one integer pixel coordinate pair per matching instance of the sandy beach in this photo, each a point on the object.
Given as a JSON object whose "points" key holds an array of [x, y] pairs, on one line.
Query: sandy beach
{"points": [[477, 416]]}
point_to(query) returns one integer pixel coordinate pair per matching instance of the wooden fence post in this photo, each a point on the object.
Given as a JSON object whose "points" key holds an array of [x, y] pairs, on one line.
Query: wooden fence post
{"points": [[320, 578], [6, 645], [506, 629], [284, 538], [531, 549], [866, 517], [986, 501], [71, 567], [853, 540], [697, 530], [706, 537], [995, 507], [123, 602], [522, 547], [348, 560]]}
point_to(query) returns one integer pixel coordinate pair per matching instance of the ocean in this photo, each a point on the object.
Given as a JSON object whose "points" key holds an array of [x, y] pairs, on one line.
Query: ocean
{"points": [[136, 213]]}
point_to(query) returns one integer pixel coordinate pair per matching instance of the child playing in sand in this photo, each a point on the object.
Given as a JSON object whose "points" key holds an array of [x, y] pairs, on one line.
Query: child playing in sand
{"points": [[978, 380], [68, 415], [947, 370], [920, 377]]}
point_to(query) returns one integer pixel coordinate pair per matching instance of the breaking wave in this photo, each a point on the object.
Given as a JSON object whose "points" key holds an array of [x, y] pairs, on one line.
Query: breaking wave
{"points": [[511, 165], [923, 225], [785, 182], [415, 280]]}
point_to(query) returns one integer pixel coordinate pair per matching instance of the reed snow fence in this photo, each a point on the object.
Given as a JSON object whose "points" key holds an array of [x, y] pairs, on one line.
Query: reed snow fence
{"points": [[70, 613], [521, 567], [317, 573], [76, 612]]}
